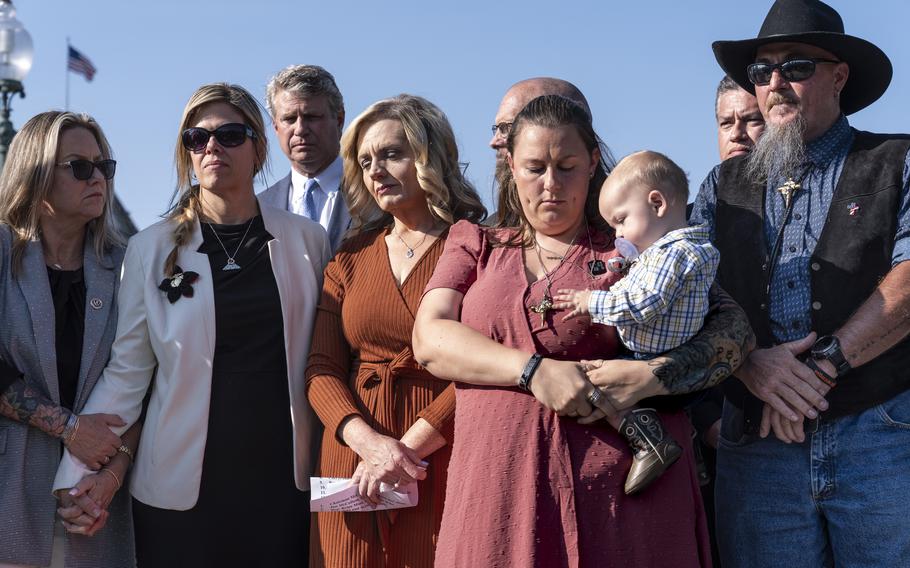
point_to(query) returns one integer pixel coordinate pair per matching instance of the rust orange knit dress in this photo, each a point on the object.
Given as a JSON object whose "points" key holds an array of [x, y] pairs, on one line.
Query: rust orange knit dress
{"points": [[361, 363]]}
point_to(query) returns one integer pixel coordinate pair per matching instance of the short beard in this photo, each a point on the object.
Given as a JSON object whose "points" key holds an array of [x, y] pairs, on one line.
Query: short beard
{"points": [[779, 151]]}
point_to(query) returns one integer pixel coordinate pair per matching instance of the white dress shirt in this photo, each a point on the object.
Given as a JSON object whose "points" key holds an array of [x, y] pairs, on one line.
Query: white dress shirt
{"points": [[326, 197]]}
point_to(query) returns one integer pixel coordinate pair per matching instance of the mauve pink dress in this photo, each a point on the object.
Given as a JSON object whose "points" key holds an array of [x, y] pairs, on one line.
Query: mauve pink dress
{"points": [[526, 487]]}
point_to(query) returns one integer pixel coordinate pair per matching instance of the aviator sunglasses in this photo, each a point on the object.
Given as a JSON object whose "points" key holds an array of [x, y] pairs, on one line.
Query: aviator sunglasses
{"points": [[228, 135], [83, 169], [794, 70]]}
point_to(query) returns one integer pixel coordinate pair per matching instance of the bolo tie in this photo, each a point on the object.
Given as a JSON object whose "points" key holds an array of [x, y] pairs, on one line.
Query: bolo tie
{"points": [[788, 191]]}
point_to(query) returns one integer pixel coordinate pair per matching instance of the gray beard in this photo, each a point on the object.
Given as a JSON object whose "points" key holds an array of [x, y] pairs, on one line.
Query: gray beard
{"points": [[779, 152]]}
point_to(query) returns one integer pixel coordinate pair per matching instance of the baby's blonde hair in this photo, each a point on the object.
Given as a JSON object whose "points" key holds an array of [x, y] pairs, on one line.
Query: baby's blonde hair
{"points": [[653, 171]]}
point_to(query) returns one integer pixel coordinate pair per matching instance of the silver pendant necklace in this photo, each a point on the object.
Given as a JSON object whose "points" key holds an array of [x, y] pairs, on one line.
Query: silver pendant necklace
{"points": [[410, 251], [231, 263]]}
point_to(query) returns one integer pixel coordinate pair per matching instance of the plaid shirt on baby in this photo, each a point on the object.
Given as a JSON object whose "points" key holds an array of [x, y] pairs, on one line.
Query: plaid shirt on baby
{"points": [[663, 300]]}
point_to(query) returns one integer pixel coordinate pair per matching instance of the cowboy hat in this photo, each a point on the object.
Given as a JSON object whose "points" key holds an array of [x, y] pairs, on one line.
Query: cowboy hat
{"points": [[814, 23]]}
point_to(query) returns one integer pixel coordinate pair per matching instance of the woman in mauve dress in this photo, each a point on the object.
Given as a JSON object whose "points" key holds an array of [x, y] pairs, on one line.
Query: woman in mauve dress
{"points": [[536, 486], [383, 413]]}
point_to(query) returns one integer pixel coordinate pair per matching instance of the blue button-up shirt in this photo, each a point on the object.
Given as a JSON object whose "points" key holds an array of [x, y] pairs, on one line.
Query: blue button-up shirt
{"points": [[790, 298]]}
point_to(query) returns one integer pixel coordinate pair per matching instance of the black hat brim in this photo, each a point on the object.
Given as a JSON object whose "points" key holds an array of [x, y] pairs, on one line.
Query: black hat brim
{"points": [[870, 68]]}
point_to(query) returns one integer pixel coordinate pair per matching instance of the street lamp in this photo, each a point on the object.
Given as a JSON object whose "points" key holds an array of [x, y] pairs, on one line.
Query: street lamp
{"points": [[15, 61]]}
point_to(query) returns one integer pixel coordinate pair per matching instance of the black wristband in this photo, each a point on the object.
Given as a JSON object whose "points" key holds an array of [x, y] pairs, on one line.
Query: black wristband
{"points": [[820, 373], [530, 368]]}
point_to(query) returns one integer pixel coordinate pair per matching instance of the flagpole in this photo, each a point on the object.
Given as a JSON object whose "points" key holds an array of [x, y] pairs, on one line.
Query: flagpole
{"points": [[66, 105]]}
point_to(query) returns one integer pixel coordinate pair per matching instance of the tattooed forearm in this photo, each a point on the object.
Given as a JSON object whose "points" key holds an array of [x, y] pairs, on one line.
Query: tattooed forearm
{"points": [[713, 354], [24, 404]]}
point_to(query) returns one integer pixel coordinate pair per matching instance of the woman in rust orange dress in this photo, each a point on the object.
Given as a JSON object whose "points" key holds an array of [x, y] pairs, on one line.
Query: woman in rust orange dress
{"points": [[386, 418]]}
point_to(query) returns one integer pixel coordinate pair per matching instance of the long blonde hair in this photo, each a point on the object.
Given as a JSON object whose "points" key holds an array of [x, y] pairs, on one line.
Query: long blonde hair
{"points": [[28, 177], [450, 197], [186, 205]]}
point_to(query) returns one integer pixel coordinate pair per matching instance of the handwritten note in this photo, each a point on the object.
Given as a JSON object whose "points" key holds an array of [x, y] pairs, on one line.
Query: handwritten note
{"points": [[338, 494]]}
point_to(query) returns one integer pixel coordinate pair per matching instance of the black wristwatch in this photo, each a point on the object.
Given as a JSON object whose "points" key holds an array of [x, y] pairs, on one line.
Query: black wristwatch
{"points": [[828, 347]]}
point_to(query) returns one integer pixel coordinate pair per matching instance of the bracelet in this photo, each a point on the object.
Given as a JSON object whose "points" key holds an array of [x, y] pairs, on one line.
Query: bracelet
{"points": [[117, 479], [126, 450], [820, 373], [530, 368], [69, 431]]}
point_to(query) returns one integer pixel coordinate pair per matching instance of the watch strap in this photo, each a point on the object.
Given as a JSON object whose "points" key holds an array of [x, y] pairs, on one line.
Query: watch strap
{"points": [[530, 368]]}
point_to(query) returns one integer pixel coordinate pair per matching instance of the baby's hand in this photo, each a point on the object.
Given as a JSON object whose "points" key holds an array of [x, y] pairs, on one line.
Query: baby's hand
{"points": [[575, 300]]}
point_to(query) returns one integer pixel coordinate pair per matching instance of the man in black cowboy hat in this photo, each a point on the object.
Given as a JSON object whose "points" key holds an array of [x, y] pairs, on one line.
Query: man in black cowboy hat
{"points": [[813, 227]]}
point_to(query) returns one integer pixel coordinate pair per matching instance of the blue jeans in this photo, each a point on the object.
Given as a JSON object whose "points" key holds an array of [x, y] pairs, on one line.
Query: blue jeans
{"points": [[840, 498]]}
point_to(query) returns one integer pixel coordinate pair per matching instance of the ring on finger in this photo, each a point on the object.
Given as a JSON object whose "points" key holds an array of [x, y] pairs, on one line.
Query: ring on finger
{"points": [[595, 396]]}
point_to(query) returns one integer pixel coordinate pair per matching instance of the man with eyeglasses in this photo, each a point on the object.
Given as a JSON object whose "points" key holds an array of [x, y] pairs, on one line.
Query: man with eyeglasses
{"points": [[307, 111], [813, 227]]}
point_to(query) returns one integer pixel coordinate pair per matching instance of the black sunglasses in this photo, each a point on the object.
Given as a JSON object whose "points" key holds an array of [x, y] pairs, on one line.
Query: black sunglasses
{"points": [[228, 135], [794, 70], [83, 169]]}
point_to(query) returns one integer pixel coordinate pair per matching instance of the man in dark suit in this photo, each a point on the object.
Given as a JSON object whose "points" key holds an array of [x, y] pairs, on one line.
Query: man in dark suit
{"points": [[307, 111]]}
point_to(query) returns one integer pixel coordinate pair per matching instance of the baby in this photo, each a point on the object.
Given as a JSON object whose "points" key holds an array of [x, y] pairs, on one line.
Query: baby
{"points": [[662, 301]]}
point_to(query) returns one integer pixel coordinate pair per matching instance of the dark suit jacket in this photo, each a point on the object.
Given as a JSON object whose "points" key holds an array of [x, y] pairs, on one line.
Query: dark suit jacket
{"points": [[277, 196]]}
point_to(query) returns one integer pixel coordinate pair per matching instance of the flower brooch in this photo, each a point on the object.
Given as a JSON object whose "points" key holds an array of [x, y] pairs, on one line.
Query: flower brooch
{"points": [[180, 284]]}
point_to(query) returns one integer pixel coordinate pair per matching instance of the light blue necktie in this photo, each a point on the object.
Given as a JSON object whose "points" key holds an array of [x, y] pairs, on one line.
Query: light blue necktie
{"points": [[309, 200]]}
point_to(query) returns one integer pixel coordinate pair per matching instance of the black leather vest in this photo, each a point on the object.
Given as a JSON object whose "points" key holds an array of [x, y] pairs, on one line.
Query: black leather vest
{"points": [[853, 254]]}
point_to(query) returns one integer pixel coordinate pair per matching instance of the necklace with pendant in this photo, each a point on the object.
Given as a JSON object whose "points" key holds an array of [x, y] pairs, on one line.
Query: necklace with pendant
{"points": [[231, 263], [410, 250], [546, 302]]}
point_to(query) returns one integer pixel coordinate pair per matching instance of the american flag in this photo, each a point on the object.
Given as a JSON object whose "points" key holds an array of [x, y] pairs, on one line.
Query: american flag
{"points": [[80, 64]]}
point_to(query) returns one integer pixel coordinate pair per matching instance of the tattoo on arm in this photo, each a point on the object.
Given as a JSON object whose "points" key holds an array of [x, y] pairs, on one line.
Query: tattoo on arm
{"points": [[713, 354], [22, 403]]}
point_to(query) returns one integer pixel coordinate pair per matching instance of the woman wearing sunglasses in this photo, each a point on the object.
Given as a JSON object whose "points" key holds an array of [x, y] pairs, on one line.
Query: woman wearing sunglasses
{"points": [[60, 259], [217, 303]]}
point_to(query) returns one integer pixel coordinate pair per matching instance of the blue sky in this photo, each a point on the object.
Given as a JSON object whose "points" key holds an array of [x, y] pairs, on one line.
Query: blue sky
{"points": [[646, 67]]}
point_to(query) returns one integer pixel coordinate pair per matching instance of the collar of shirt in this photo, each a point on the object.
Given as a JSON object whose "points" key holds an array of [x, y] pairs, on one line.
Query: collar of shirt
{"points": [[831, 144], [699, 233], [329, 179]]}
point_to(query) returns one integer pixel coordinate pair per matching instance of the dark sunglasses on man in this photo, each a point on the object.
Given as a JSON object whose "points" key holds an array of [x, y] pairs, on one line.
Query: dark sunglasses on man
{"points": [[228, 135], [83, 169], [794, 70]]}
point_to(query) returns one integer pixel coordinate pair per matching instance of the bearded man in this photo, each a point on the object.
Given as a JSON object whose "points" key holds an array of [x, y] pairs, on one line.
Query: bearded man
{"points": [[814, 228]]}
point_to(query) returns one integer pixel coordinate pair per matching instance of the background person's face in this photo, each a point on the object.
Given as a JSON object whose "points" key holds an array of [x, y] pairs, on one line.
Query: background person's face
{"points": [[308, 132], [739, 123]]}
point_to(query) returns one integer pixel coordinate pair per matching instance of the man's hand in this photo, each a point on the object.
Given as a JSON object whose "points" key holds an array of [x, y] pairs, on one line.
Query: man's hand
{"points": [[786, 431], [777, 377]]}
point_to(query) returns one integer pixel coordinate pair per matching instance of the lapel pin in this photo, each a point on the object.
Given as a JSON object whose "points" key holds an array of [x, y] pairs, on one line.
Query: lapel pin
{"points": [[853, 208], [96, 303]]}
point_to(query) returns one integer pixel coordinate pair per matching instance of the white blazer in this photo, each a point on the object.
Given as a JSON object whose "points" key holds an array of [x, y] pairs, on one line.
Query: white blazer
{"points": [[179, 339]]}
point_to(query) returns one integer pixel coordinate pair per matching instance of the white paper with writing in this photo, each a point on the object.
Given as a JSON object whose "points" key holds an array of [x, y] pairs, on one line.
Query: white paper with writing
{"points": [[338, 494]]}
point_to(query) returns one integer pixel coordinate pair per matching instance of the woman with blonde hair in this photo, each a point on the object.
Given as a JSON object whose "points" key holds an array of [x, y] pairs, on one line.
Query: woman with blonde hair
{"points": [[216, 309], [387, 420], [59, 261]]}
